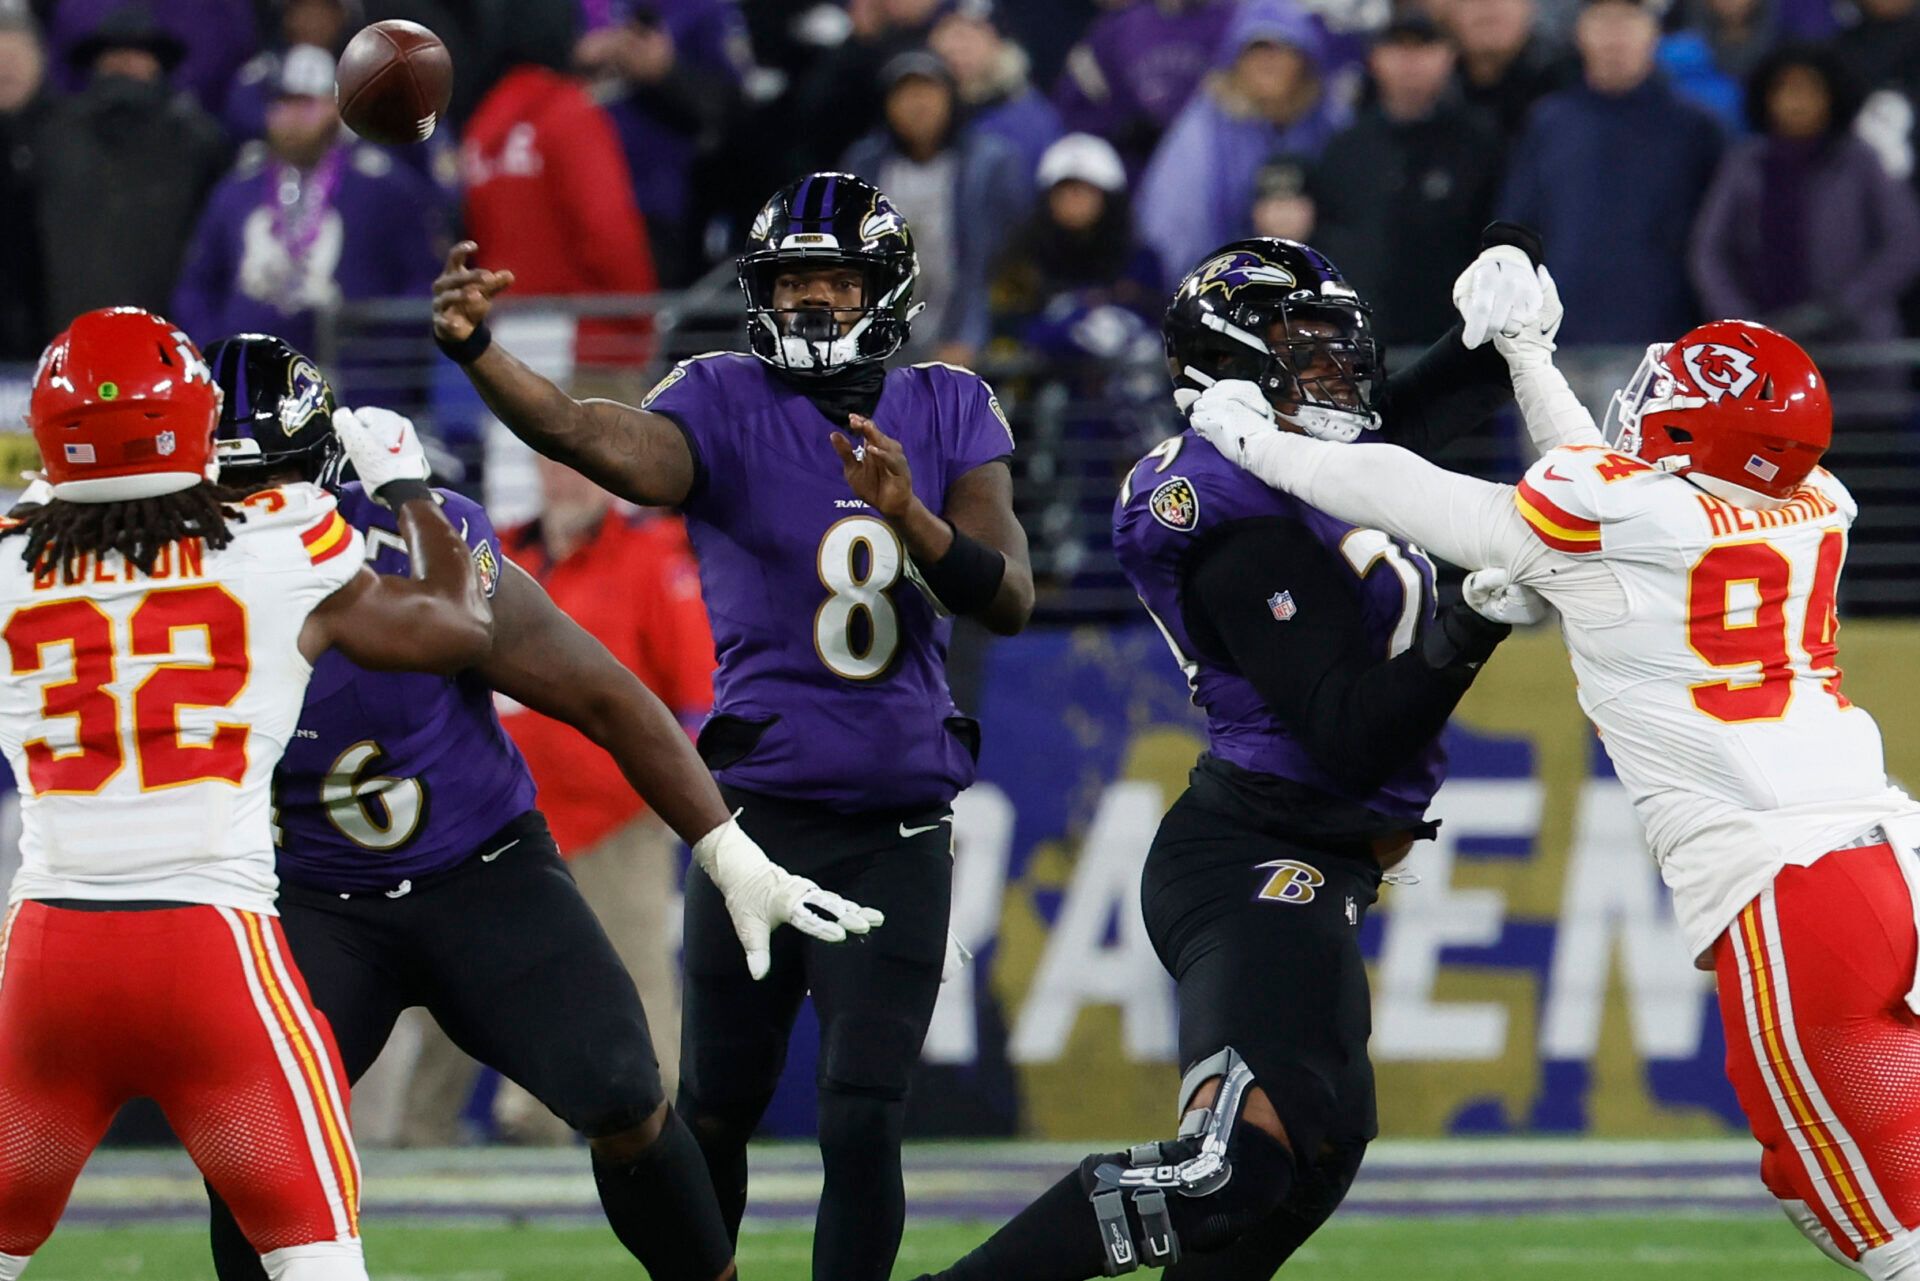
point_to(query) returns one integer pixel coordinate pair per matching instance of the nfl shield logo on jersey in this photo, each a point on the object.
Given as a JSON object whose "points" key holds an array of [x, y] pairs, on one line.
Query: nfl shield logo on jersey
{"points": [[1175, 504], [1281, 603]]}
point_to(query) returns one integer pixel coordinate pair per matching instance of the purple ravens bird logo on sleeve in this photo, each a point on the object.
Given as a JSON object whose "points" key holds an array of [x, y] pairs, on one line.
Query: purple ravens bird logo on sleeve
{"points": [[1175, 504]]}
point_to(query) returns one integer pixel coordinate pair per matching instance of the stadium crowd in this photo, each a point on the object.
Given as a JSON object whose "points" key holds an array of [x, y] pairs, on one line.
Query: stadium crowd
{"points": [[1057, 160]]}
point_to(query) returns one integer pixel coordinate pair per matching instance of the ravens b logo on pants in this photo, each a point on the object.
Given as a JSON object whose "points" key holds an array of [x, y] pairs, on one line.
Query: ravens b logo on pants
{"points": [[1290, 882]]}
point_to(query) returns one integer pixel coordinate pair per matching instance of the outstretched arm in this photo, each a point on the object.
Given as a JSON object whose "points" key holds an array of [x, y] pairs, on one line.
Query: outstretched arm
{"points": [[640, 456], [544, 659], [549, 662]]}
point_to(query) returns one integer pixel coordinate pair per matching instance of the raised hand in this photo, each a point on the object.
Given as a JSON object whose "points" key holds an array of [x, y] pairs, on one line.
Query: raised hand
{"points": [[463, 295], [876, 467]]}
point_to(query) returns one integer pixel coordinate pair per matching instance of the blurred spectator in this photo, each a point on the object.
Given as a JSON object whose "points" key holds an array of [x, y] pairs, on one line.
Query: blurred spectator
{"points": [[991, 72], [1505, 64], [549, 196], [214, 38], [961, 192], [1282, 205], [1803, 229], [669, 73], [1611, 173], [840, 98], [1710, 57], [308, 219], [1881, 54], [123, 168], [325, 24], [1265, 99], [622, 855], [23, 106], [1137, 68], [1402, 195], [1077, 245]]}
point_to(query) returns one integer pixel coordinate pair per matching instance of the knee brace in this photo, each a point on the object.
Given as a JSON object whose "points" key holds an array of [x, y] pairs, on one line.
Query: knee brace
{"points": [[1201, 1190]]}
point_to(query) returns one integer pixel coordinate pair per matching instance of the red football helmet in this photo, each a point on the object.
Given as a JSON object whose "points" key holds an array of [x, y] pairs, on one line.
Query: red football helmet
{"points": [[1731, 400], [123, 407]]}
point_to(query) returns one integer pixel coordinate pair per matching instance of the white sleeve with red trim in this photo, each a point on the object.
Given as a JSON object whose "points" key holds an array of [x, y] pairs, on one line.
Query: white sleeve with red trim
{"points": [[1472, 523], [298, 529], [1560, 499]]}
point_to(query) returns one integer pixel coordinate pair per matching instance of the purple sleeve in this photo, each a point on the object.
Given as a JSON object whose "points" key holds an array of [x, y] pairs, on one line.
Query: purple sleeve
{"points": [[692, 396], [981, 431], [483, 541]]}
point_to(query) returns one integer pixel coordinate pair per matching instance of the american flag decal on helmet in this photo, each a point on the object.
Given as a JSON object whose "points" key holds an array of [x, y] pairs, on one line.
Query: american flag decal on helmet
{"points": [[1762, 468]]}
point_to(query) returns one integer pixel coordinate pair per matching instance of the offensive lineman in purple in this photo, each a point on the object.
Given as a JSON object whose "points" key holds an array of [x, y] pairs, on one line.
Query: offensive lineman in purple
{"points": [[376, 753], [1175, 500]]}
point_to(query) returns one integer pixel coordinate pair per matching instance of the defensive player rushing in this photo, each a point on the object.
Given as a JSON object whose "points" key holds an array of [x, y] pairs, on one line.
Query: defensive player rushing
{"points": [[158, 634], [1327, 677], [1695, 567], [829, 560], [415, 869]]}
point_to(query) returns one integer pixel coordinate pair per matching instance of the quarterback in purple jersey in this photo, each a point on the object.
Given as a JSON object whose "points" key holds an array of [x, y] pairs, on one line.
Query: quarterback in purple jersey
{"points": [[842, 513], [415, 870], [1327, 674]]}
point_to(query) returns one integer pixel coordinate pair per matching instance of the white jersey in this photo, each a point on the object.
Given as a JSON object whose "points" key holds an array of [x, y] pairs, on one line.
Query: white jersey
{"points": [[1715, 685], [143, 715]]}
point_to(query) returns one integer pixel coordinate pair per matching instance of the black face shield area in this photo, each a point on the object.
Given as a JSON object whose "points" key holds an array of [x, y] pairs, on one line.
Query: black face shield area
{"points": [[1329, 349], [818, 318]]}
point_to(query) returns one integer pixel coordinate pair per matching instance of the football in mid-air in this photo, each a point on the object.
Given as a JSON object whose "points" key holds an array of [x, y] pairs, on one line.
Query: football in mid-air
{"points": [[394, 81]]}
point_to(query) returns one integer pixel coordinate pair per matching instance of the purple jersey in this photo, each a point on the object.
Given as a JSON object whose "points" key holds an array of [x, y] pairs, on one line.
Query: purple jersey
{"points": [[1176, 501], [393, 775], [826, 647]]}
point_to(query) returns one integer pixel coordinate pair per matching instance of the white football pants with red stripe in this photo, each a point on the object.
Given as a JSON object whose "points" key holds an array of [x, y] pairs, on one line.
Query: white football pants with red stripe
{"points": [[1824, 1051], [201, 1010]]}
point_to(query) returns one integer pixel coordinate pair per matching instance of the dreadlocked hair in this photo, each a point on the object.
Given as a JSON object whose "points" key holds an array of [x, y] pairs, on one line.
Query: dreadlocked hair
{"points": [[61, 535]]}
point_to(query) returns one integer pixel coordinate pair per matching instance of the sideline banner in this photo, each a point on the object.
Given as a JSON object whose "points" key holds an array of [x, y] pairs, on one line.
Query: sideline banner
{"points": [[1533, 980]]}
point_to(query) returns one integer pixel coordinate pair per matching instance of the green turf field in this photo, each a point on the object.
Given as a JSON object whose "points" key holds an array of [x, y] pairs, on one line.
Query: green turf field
{"points": [[1537, 1248]]}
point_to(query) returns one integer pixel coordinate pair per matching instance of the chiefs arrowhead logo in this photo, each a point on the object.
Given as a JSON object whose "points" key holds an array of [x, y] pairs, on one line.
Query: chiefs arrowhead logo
{"points": [[1719, 370]]}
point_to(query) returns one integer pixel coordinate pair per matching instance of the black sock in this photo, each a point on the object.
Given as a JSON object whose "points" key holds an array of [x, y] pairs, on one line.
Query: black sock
{"points": [[661, 1207], [1056, 1238], [234, 1258], [723, 1143], [863, 1201]]}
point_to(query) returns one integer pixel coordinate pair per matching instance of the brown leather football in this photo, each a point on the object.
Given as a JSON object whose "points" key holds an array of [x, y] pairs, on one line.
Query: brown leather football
{"points": [[394, 80]]}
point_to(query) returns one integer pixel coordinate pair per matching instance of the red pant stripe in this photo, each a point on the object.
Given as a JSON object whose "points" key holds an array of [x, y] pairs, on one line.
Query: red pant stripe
{"points": [[297, 1082], [1833, 1161], [331, 1075]]}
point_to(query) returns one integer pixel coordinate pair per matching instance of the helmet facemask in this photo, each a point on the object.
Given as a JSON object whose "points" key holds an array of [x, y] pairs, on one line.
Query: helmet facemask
{"points": [[1316, 361], [815, 334]]}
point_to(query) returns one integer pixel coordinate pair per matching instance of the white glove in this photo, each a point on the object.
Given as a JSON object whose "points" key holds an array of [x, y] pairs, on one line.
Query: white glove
{"points": [[762, 896], [382, 445], [1497, 293], [1230, 415], [957, 958], [1531, 347], [1492, 594]]}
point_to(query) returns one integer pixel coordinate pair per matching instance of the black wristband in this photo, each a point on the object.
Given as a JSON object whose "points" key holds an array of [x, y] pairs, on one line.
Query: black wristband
{"points": [[1460, 637], [1523, 238], [468, 349], [395, 492], [968, 577]]}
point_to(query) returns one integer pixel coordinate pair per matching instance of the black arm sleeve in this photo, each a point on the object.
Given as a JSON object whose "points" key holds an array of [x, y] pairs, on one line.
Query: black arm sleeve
{"points": [[1359, 716], [1448, 391], [1444, 394]]}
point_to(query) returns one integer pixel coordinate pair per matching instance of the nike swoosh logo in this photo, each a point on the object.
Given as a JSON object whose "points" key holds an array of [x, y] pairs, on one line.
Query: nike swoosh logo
{"points": [[1551, 474], [488, 858], [908, 833]]}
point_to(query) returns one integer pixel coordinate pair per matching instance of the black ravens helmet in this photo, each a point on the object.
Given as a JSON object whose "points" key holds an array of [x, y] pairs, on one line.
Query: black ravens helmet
{"points": [[1278, 314], [277, 413], [828, 220]]}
